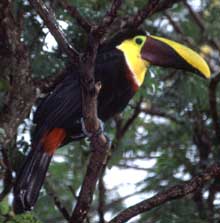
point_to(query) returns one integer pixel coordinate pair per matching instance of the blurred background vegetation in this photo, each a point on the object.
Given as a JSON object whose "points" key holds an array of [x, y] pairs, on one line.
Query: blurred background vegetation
{"points": [[174, 134]]}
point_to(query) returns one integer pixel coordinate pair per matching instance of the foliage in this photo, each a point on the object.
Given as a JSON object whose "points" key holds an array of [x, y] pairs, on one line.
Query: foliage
{"points": [[180, 143], [23, 218], [7, 217]]}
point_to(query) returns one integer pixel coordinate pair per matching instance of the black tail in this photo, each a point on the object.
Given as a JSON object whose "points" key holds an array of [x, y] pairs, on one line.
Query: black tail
{"points": [[30, 179]]}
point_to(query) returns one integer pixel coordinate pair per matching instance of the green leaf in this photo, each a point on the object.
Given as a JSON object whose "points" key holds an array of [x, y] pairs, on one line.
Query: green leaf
{"points": [[4, 207]]}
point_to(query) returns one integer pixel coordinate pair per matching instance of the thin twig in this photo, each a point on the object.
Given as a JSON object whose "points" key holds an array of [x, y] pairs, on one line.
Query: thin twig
{"points": [[213, 103], [149, 9], [177, 28], [115, 202], [127, 166], [195, 16], [74, 12], [57, 201], [198, 20], [51, 23], [111, 14], [108, 19], [154, 111], [121, 130], [73, 192], [46, 85], [101, 205]]}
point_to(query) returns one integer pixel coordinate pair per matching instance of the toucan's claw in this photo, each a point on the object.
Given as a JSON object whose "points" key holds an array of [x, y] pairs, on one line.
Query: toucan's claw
{"points": [[92, 134]]}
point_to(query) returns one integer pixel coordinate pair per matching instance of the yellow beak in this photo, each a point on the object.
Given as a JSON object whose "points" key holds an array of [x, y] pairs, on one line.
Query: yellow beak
{"points": [[166, 53]]}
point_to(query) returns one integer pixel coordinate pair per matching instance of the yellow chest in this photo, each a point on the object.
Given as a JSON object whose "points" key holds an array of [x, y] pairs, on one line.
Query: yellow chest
{"points": [[137, 66]]}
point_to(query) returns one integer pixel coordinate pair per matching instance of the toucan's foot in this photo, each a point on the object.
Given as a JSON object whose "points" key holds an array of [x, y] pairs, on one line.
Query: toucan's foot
{"points": [[92, 134]]}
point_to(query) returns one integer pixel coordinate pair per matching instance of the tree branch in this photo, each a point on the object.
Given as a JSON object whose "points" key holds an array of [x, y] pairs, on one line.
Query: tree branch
{"points": [[154, 111], [122, 129], [90, 91], [108, 19], [149, 9], [131, 166], [172, 193], [198, 20], [46, 85], [99, 143], [73, 11], [8, 179], [195, 16], [115, 202], [101, 204], [178, 28], [111, 14], [20, 95], [55, 30], [57, 201], [213, 103]]}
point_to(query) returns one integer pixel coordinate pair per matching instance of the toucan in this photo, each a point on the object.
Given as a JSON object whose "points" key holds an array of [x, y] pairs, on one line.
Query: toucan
{"points": [[121, 66]]}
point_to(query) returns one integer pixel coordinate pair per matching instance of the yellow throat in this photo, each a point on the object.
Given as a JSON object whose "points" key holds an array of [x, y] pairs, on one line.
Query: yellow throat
{"points": [[132, 52]]}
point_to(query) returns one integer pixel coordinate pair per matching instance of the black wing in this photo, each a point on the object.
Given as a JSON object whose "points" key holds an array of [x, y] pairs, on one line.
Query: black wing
{"points": [[61, 108]]}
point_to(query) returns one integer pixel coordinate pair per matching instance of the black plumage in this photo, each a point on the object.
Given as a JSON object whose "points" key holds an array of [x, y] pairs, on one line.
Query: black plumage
{"points": [[58, 116]]}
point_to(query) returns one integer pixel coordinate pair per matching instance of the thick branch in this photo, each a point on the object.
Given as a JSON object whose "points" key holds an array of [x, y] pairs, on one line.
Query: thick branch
{"points": [[90, 91], [55, 30], [20, 95], [172, 193]]}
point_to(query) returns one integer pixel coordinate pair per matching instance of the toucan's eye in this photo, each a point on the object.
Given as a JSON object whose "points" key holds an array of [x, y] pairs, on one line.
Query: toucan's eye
{"points": [[139, 41]]}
